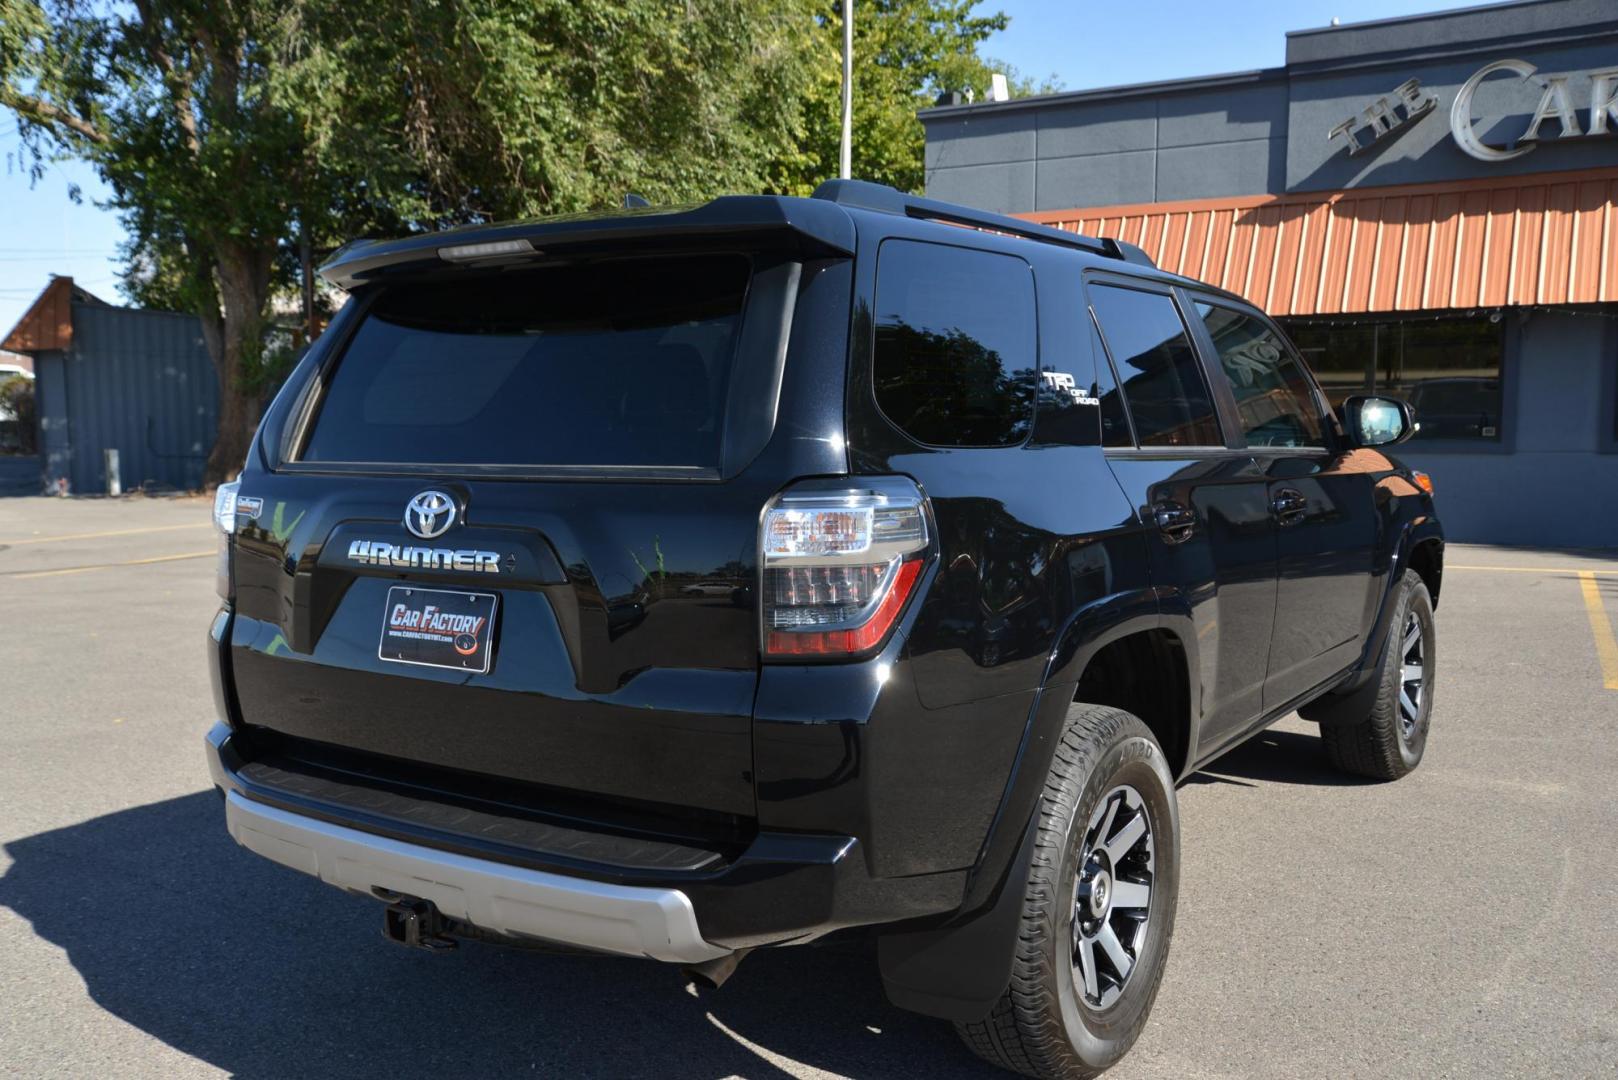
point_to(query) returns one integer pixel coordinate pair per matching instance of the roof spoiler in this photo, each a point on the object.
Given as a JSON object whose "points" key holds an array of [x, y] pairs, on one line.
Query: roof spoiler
{"points": [[887, 200], [815, 228]]}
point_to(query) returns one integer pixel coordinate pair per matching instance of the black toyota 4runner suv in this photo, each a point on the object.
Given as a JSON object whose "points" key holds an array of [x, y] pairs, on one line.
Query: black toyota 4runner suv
{"points": [[682, 582]]}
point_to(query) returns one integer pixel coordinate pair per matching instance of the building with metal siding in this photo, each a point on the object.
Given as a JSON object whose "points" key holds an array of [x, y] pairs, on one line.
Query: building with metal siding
{"points": [[139, 382], [1390, 197]]}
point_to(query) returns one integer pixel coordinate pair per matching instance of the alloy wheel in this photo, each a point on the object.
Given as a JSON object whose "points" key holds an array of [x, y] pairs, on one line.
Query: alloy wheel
{"points": [[1412, 679], [1112, 896]]}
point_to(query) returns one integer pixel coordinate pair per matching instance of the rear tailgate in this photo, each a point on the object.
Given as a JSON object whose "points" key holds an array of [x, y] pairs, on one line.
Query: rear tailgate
{"points": [[603, 438]]}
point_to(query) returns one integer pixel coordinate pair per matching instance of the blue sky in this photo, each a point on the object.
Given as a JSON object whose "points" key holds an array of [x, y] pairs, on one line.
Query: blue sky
{"points": [[1084, 43]]}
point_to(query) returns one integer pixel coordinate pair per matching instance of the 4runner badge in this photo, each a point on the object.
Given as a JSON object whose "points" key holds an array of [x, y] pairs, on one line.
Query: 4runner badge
{"points": [[410, 557]]}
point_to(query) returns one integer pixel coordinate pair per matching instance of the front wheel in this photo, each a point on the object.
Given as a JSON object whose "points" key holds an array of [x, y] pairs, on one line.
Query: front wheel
{"points": [[1388, 741], [1098, 907]]}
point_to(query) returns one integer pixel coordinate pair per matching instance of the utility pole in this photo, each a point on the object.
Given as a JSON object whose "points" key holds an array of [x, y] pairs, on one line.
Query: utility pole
{"points": [[846, 161]]}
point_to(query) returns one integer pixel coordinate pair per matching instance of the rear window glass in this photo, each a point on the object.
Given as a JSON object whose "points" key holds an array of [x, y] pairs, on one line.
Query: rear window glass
{"points": [[956, 347], [616, 362]]}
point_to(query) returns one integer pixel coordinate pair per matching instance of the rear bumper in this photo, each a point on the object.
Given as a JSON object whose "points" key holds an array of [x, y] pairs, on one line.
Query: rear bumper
{"points": [[628, 920], [658, 923], [785, 887]]}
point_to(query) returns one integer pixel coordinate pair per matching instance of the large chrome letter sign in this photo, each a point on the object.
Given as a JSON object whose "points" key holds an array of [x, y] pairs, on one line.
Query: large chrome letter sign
{"points": [[1555, 103]]}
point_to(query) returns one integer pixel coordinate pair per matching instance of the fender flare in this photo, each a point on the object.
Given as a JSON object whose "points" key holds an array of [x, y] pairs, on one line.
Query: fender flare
{"points": [[959, 970], [1351, 699]]}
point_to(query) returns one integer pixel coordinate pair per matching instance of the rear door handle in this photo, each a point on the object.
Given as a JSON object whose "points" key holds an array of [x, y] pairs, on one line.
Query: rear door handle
{"points": [[1175, 522], [1289, 506]]}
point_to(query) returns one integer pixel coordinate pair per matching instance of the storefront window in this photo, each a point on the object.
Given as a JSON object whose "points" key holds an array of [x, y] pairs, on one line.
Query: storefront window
{"points": [[1448, 369]]}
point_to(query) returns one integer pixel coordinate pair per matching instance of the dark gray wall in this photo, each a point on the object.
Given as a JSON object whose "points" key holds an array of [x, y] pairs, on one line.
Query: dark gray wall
{"points": [[1267, 132], [1554, 479], [1174, 141], [137, 381]]}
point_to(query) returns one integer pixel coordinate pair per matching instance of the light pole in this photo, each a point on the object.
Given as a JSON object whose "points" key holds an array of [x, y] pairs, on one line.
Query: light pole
{"points": [[846, 158]]}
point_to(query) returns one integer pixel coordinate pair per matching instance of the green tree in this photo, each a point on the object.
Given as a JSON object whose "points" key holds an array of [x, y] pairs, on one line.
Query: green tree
{"points": [[169, 101], [906, 52], [234, 132]]}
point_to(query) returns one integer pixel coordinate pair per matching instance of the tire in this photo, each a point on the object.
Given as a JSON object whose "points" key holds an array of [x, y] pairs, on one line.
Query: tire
{"points": [[1388, 741], [1047, 1024]]}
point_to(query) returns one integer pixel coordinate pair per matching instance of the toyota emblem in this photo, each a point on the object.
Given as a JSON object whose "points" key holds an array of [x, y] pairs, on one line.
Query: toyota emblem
{"points": [[430, 514]]}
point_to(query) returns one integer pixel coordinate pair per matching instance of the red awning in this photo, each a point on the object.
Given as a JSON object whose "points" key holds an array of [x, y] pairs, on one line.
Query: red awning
{"points": [[1545, 239]]}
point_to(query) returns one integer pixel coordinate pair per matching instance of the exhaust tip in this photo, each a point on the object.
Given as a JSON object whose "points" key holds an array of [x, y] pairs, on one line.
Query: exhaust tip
{"points": [[712, 974]]}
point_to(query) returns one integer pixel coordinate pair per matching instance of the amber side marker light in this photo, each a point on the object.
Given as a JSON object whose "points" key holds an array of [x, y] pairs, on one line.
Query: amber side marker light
{"points": [[1422, 480]]}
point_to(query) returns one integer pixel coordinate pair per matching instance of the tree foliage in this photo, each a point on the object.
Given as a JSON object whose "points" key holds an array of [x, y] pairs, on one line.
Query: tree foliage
{"points": [[232, 131]]}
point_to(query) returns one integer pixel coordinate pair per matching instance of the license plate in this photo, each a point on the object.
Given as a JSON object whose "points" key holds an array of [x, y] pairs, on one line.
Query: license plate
{"points": [[438, 628]]}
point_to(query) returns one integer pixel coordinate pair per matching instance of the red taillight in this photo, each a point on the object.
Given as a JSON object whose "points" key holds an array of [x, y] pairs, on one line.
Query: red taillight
{"points": [[833, 642], [840, 560]]}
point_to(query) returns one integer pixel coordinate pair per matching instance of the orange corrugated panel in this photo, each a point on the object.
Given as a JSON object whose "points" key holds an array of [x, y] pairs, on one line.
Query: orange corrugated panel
{"points": [[1152, 241], [1242, 229], [1266, 222], [1196, 240], [1441, 248], [1173, 241], [1366, 215], [1558, 243], [1414, 262], [1337, 257], [1488, 242], [1389, 248], [1609, 248], [1469, 251], [1289, 247], [1496, 258], [1316, 224], [1529, 245], [1589, 232], [1216, 250]]}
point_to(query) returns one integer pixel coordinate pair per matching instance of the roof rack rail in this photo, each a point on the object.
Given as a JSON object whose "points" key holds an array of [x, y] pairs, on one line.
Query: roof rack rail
{"points": [[888, 200]]}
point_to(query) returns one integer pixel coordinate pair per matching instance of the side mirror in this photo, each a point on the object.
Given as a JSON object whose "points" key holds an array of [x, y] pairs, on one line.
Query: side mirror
{"points": [[1378, 421]]}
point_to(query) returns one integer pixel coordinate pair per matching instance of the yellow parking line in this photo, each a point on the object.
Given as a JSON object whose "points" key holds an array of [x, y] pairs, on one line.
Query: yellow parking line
{"points": [[1601, 627], [1530, 569], [99, 535], [111, 566]]}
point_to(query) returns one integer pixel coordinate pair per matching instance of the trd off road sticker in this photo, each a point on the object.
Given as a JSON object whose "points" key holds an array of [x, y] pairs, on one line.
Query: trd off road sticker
{"points": [[438, 628]]}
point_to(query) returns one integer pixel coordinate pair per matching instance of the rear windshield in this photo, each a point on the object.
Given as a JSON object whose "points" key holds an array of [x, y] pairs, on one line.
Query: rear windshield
{"points": [[621, 362]]}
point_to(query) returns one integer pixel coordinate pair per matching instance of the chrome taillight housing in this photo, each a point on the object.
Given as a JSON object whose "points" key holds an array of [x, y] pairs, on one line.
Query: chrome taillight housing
{"points": [[839, 559]]}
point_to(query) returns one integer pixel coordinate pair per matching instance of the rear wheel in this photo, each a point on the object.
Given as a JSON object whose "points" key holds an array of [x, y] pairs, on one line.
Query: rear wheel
{"points": [[1098, 910], [1389, 741]]}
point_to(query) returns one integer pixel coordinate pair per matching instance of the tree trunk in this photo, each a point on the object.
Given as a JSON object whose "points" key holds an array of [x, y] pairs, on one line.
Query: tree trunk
{"points": [[234, 335]]}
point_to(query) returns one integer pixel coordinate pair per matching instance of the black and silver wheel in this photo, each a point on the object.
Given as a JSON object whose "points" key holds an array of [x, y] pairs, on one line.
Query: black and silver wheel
{"points": [[1388, 741], [1112, 897], [1098, 910]]}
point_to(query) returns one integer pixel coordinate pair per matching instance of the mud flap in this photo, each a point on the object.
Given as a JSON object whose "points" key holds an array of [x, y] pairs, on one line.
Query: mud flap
{"points": [[958, 972]]}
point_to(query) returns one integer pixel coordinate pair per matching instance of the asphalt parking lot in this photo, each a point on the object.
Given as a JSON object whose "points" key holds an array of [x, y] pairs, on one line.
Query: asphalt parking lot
{"points": [[1461, 922]]}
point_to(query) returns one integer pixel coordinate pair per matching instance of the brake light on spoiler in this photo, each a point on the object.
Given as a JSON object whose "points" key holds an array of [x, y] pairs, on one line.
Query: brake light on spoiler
{"points": [[839, 560]]}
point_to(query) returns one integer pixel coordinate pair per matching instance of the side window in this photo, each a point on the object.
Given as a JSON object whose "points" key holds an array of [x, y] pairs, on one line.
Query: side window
{"points": [[1273, 397], [1114, 419], [956, 352], [1152, 353]]}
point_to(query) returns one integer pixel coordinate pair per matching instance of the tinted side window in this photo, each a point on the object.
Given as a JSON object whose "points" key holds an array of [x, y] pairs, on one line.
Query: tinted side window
{"points": [[1162, 382], [1273, 397], [956, 346], [1114, 419]]}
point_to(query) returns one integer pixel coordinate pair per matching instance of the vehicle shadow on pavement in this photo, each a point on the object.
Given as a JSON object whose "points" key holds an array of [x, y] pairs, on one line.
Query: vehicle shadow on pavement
{"points": [[263, 972], [1275, 757]]}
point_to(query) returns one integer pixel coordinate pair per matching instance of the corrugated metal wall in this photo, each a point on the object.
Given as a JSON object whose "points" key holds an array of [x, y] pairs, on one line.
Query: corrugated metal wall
{"points": [[1548, 239], [137, 381]]}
